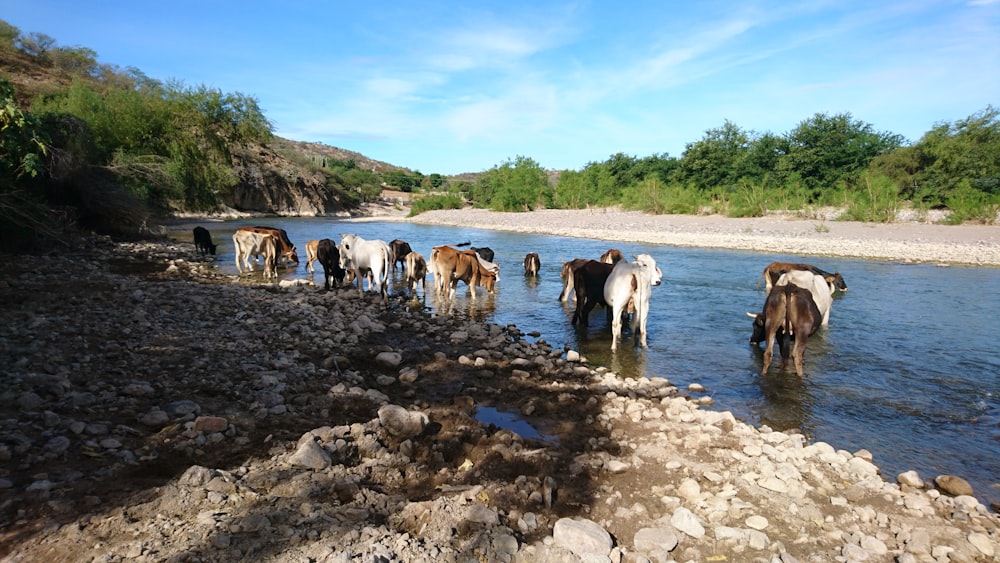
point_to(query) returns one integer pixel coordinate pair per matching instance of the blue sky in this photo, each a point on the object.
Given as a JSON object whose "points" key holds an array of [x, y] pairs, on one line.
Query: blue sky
{"points": [[453, 87]]}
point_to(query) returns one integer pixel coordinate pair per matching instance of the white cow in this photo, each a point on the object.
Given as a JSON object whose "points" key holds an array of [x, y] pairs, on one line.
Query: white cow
{"points": [[821, 289], [251, 244], [371, 257], [631, 282]]}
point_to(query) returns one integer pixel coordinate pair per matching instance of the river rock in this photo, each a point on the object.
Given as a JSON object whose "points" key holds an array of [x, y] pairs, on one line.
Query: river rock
{"points": [[648, 540], [310, 455], [953, 485], [685, 521], [402, 423], [582, 537]]}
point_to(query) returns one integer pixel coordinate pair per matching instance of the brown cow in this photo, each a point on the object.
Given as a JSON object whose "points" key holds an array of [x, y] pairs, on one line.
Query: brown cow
{"points": [[416, 272], [285, 247], [612, 256], [788, 309], [567, 276], [532, 264], [311, 256], [774, 270], [400, 249], [451, 266]]}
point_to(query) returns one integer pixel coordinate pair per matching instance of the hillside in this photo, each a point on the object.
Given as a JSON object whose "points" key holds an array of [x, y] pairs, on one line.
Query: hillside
{"points": [[278, 176]]}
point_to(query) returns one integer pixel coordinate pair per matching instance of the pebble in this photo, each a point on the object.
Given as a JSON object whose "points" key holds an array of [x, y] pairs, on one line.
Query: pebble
{"points": [[342, 492]]}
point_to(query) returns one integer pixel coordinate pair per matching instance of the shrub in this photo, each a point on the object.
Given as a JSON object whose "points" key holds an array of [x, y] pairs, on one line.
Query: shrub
{"points": [[436, 201]]}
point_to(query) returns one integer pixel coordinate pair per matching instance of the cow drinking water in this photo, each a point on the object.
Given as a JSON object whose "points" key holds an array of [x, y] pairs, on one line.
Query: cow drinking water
{"points": [[203, 241]]}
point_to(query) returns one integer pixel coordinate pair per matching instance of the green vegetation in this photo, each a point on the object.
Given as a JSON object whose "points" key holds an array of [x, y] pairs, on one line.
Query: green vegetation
{"points": [[105, 148], [436, 201], [827, 160]]}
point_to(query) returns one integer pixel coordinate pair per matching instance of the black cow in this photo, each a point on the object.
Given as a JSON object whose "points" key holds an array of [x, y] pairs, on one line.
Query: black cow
{"points": [[588, 281], [329, 258], [203, 241], [485, 253]]}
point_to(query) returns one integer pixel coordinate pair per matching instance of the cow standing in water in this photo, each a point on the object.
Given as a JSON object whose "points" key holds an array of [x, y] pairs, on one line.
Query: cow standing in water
{"points": [[416, 272], [203, 241], [532, 264], [329, 258], [629, 285], [249, 244], [369, 259], [789, 310], [400, 249]]}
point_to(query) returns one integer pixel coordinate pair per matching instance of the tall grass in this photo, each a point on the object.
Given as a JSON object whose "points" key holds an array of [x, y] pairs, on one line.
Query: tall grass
{"points": [[969, 204], [653, 196], [876, 200]]}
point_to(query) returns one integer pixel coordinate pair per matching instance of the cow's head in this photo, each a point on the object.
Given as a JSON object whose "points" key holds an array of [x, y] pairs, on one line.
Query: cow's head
{"points": [[292, 256], [648, 265], [488, 280], [758, 328], [836, 281]]}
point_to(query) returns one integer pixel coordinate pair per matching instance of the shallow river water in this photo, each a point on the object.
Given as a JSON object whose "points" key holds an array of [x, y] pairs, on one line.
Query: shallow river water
{"points": [[908, 368]]}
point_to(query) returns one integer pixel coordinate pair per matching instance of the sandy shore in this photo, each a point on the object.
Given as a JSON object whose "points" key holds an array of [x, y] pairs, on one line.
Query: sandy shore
{"points": [[902, 241]]}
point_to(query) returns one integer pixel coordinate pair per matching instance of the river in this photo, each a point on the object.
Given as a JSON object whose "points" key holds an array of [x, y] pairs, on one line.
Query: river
{"points": [[907, 369]]}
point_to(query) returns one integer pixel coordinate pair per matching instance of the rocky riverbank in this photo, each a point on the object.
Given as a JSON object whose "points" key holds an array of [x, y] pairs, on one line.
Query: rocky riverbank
{"points": [[158, 410]]}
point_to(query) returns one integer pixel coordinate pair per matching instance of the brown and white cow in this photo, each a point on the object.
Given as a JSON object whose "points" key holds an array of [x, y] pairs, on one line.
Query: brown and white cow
{"points": [[250, 244], [774, 270], [450, 266], [285, 247], [788, 310], [532, 264], [416, 272], [400, 249]]}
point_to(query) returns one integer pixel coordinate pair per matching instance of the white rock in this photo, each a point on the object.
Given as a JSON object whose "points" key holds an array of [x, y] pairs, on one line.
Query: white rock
{"points": [[756, 522], [400, 422], [582, 537], [655, 539], [685, 521], [982, 542]]}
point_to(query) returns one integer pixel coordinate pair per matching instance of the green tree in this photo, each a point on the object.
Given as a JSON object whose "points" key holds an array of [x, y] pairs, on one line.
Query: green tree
{"points": [[718, 159], [826, 150], [967, 150], [75, 61], [516, 185]]}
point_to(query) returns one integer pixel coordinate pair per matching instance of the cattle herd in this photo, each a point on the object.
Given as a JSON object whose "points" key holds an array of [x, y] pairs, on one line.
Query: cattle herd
{"points": [[798, 296]]}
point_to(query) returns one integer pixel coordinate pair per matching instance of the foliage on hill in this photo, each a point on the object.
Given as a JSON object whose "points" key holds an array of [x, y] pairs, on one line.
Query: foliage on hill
{"points": [[108, 148]]}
